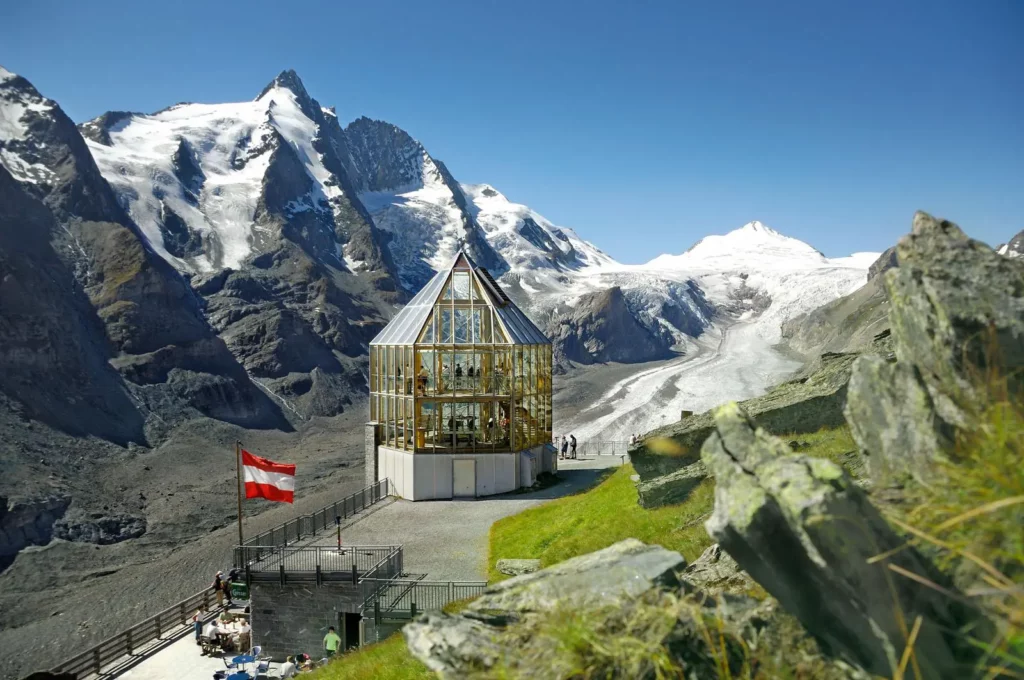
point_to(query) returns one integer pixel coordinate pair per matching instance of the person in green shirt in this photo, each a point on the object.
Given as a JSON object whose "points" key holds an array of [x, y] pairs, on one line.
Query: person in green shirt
{"points": [[332, 643]]}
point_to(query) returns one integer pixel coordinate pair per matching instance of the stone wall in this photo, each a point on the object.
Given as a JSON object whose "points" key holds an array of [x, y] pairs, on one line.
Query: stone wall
{"points": [[294, 617]]}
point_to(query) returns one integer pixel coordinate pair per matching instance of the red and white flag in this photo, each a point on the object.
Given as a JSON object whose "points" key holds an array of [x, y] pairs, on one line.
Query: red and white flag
{"points": [[267, 479]]}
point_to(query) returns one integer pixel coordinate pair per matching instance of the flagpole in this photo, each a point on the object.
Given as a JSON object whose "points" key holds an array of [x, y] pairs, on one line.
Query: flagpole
{"points": [[238, 488]]}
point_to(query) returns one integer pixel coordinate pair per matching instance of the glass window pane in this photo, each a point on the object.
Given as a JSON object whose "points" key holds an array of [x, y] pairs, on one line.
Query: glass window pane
{"points": [[462, 331], [428, 330], [461, 284], [447, 290], [446, 325], [499, 336]]}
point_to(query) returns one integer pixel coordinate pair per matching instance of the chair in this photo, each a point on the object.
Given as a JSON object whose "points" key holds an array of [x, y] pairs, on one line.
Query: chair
{"points": [[208, 646]]}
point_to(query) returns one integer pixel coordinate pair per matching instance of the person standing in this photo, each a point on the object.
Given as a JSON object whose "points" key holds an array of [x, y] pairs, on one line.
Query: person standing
{"points": [[218, 588], [332, 643], [565, 447], [197, 623], [572, 445]]}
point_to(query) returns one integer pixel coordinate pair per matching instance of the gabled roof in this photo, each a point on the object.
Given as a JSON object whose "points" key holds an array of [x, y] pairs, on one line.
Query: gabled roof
{"points": [[405, 328]]}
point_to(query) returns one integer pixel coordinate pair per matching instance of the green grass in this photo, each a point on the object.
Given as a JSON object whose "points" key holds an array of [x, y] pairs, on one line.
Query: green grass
{"points": [[387, 660], [595, 519], [572, 526], [972, 517]]}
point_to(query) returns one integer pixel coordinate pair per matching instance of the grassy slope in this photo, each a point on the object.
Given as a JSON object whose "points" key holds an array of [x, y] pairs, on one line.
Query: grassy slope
{"points": [[589, 521], [576, 525]]}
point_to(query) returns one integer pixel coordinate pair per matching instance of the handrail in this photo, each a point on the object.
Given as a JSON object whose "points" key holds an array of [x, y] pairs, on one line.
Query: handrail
{"points": [[94, 659], [326, 517]]}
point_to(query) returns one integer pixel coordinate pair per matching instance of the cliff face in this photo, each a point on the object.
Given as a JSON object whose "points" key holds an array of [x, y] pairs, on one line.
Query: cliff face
{"points": [[593, 332]]}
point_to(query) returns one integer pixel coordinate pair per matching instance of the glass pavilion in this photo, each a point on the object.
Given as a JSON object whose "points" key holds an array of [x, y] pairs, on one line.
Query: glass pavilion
{"points": [[461, 370]]}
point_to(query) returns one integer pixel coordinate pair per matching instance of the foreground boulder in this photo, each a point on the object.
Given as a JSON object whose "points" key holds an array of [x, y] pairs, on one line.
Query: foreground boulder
{"points": [[626, 594], [667, 459], [957, 313], [805, 532]]}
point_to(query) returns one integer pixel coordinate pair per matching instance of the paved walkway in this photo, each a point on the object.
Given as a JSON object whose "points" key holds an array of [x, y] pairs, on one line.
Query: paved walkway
{"points": [[446, 540]]}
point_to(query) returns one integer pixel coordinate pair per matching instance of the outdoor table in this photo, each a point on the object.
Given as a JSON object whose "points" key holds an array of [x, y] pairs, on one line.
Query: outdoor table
{"points": [[239, 676], [243, 659]]}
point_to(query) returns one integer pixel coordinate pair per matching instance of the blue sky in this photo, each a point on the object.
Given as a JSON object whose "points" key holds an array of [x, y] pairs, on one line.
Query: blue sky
{"points": [[643, 125]]}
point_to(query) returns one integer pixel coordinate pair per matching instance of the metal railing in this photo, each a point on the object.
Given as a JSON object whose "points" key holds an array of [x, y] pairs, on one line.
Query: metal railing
{"points": [[589, 449], [324, 519], [321, 563], [404, 598], [95, 659]]}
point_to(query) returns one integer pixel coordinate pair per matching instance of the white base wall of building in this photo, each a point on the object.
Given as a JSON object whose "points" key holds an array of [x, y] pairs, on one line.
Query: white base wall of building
{"points": [[432, 476]]}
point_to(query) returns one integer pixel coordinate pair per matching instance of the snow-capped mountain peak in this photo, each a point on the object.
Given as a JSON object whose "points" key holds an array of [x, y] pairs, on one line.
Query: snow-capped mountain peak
{"points": [[754, 245], [21, 105]]}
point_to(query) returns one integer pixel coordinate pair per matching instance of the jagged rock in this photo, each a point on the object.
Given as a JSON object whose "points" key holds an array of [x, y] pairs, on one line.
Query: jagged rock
{"points": [[955, 303], [596, 325], [886, 261], [1014, 248], [716, 571], [673, 488], [517, 567], [100, 530], [28, 521], [805, 532], [803, 405], [606, 577], [957, 310], [626, 590], [893, 420]]}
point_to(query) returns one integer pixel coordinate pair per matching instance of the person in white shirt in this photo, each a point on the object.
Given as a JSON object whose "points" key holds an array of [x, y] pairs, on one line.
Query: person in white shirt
{"points": [[212, 630], [244, 638], [288, 669]]}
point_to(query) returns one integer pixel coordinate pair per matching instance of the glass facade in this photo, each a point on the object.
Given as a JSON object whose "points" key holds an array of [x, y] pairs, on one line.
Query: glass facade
{"points": [[462, 385]]}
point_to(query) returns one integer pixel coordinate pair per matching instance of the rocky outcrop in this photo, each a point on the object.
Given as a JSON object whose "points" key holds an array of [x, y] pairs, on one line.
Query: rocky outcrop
{"points": [[153, 321], [847, 324], [511, 567], [886, 261], [628, 611], [673, 488], [53, 349], [808, 534], [806, 404], [28, 521], [600, 328], [1013, 248], [100, 529], [620, 582], [957, 312]]}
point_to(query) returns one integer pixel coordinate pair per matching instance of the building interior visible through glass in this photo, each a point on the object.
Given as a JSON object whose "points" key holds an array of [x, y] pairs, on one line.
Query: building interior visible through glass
{"points": [[461, 384]]}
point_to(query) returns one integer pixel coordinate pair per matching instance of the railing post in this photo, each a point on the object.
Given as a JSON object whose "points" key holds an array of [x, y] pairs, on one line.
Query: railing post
{"points": [[376, 612], [281, 568], [451, 591], [412, 610], [128, 641], [319, 576], [96, 660], [159, 628], [181, 612], [355, 572]]}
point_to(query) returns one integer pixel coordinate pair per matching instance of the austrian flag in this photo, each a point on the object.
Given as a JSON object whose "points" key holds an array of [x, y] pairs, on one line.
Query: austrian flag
{"points": [[267, 479]]}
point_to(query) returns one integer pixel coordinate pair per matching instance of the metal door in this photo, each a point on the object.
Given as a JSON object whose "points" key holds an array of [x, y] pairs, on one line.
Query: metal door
{"points": [[464, 478]]}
